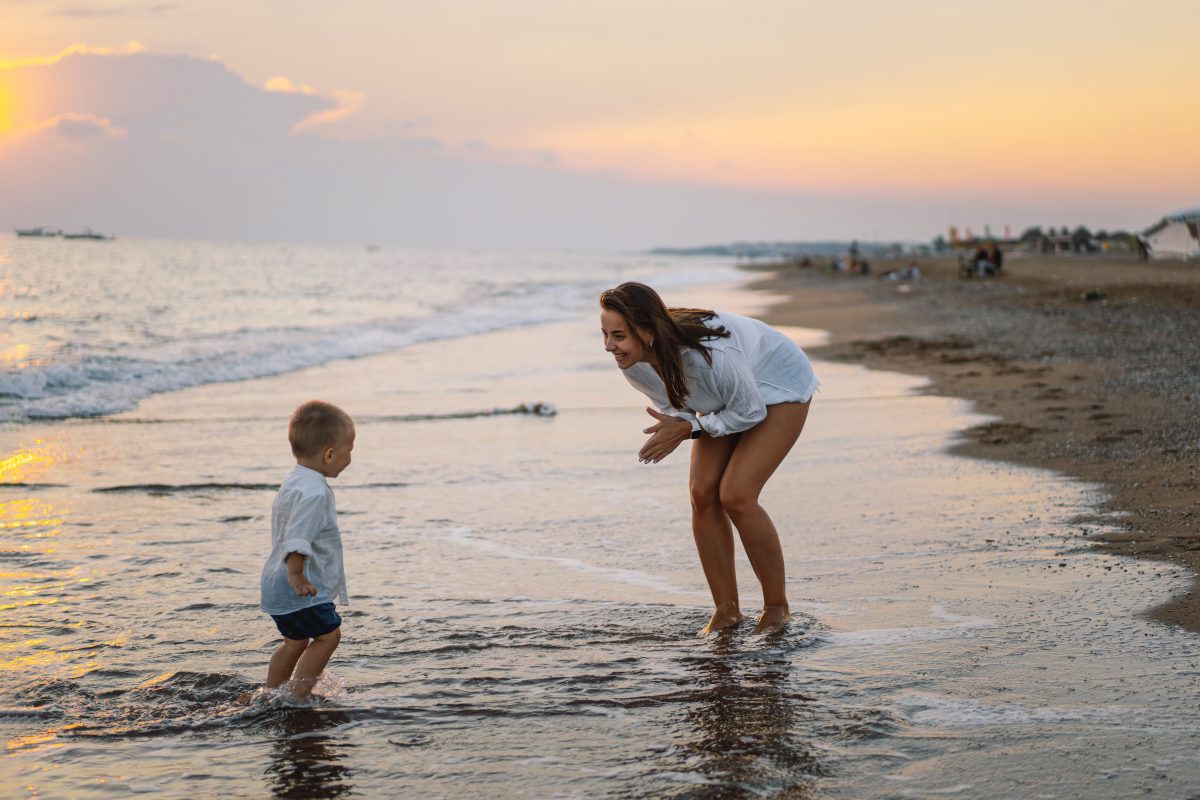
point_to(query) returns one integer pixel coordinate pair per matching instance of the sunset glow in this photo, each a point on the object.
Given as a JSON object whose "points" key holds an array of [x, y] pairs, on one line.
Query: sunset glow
{"points": [[6, 122], [933, 143], [1008, 106]]}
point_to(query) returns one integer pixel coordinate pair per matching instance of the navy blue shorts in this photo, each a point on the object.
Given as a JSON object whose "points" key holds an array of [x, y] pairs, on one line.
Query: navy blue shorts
{"points": [[308, 623]]}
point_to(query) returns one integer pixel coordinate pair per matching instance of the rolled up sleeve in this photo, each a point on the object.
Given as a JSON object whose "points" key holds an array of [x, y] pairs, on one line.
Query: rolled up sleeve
{"points": [[732, 380], [305, 520], [646, 381]]}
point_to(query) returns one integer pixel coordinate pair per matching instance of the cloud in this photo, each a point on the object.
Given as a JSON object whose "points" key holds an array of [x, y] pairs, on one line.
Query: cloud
{"points": [[140, 143], [284, 84], [72, 50], [154, 96], [81, 126], [93, 10], [348, 102]]}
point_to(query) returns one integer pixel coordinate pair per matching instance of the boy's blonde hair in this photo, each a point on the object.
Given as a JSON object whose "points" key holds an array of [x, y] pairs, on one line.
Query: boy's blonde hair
{"points": [[316, 425]]}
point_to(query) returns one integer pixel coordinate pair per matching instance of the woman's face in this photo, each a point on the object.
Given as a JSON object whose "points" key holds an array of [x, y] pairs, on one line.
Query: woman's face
{"points": [[622, 340]]}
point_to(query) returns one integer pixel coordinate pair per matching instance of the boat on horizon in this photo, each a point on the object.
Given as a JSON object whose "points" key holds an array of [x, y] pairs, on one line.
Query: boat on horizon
{"points": [[39, 232], [88, 233]]}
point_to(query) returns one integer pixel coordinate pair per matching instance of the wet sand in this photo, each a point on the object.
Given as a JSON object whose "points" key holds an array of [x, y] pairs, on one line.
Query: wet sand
{"points": [[1088, 364]]}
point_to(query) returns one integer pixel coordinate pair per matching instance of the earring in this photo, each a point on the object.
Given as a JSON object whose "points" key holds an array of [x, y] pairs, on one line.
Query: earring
{"points": [[651, 341]]}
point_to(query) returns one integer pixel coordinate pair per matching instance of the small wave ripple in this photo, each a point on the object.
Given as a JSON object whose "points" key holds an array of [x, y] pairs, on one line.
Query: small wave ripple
{"points": [[617, 697], [100, 383]]}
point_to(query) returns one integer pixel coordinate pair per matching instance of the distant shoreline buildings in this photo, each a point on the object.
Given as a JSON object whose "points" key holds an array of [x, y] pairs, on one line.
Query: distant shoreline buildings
{"points": [[55, 233], [1176, 235]]}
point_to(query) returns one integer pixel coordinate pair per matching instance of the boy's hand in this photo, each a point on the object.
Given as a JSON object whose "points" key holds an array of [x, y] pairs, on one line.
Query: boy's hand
{"points": [[301, 585], [296, 578]]}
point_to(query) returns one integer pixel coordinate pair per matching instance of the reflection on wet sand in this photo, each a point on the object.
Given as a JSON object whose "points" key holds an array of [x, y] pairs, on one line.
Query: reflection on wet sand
{"points": [[305, 762], [26, 464], [29, 530], [744, 738], [39, 587]]}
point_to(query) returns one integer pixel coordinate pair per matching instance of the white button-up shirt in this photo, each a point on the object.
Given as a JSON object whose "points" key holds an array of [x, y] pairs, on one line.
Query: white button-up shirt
{"points": [[752, 368], [304, 520]]}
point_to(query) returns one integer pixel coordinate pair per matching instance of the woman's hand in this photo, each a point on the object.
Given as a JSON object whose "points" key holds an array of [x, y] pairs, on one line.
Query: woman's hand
{"points": [[668, 432]]}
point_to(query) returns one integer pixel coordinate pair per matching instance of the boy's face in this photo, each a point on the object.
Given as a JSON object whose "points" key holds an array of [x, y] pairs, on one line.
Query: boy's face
{"points": [[337, 457]]}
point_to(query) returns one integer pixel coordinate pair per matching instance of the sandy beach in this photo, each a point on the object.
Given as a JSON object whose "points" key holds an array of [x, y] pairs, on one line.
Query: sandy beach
{"points": [[1088, 364]]}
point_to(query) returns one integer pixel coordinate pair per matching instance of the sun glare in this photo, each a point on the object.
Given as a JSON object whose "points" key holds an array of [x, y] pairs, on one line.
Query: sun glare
{"points": [[6, 111], [20, 466]]}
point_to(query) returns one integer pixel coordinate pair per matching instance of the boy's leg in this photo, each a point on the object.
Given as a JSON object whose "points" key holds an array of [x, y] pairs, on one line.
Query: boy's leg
{"points": [[312, 662], [283, 661]]}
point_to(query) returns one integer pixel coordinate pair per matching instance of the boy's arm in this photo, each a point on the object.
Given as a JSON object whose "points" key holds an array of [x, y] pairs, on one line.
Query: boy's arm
{"points": [[295, 574], [302, 526]]}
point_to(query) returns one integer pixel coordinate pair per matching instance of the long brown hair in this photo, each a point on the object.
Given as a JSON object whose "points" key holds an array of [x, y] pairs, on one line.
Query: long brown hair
{"points": [[670, 329]]}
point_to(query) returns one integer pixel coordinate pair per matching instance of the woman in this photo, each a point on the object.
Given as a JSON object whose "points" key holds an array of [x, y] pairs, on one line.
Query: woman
{"points": [[741, 391]]}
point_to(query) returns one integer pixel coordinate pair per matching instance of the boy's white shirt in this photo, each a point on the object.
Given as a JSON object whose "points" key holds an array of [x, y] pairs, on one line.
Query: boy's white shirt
{"points": [[304, 520]]}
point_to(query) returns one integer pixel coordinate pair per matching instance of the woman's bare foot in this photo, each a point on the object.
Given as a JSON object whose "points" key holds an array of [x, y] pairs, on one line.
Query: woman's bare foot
{"points": [[772, 620], [721, 619]]}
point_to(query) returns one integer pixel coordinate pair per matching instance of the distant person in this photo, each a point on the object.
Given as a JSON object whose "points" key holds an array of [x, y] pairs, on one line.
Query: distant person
{"points": [[852, 256], [909, 273], [1143, 248], [981, 264], [303, 575], [995, 258], [979, 261], [740, 391]]}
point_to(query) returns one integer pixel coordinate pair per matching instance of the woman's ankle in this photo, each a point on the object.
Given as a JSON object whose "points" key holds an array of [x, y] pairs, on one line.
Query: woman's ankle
{"points": [[724, 616]]}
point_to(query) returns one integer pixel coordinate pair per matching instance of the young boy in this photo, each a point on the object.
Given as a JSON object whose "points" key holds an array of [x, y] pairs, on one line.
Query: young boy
{"points": [[303, 575]]}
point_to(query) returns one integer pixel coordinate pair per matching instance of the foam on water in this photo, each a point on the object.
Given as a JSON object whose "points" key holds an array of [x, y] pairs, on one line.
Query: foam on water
{"points": [[466, 537], [106, 384], [107, 333], [922, 708]]}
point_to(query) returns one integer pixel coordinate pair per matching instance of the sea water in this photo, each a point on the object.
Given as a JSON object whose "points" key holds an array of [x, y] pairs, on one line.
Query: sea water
{"points": [[524, 594]]}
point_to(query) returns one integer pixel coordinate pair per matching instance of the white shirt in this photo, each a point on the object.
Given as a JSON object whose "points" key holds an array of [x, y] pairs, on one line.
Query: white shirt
{"points": [[752, 368], [304, 520]]}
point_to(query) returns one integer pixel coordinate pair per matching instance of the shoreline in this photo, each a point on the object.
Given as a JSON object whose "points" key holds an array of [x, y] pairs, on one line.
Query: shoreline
{"points": [[1084, 361]]}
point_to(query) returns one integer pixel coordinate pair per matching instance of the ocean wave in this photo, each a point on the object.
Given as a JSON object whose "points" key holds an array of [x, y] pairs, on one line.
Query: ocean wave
{"points": [[102, 384], [107, 366], [167, 488]]}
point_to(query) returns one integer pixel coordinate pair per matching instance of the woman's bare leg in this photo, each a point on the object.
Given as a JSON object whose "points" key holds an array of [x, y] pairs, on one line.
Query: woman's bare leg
{"points": [[758, 453], [711, 528]]}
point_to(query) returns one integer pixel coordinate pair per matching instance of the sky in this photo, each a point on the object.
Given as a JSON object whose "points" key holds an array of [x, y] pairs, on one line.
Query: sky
{"points": [[615, 124]]}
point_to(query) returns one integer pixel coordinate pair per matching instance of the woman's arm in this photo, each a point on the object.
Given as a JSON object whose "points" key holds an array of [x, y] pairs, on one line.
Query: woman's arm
{"points": [[646, 380], [730, 379]]}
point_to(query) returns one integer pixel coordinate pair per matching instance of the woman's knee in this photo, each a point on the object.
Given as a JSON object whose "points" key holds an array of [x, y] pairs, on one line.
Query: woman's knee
{"points": [[737, 499], [705, 498]]}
